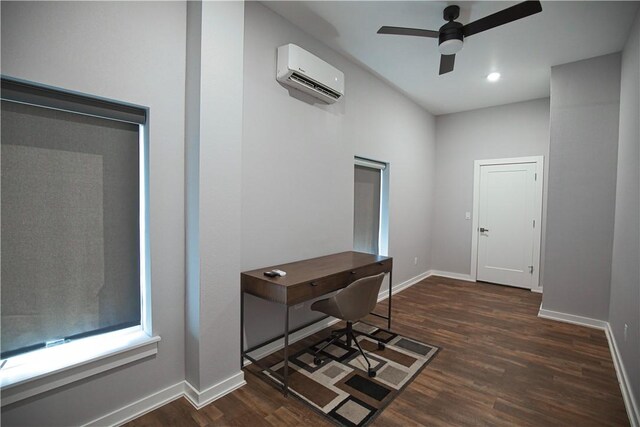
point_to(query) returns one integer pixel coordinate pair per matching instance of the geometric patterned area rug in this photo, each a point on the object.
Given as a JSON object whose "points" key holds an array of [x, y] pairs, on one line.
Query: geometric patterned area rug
{"points": [[340, 388]]}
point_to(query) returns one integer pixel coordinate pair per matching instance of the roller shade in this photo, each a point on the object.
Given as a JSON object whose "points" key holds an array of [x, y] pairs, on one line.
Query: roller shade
{"points": [[70, 226], [24, 93], [369, 163], [366, 212]]}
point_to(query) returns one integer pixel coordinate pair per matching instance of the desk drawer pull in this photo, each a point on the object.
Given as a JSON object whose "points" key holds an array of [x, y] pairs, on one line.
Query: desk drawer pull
{"points": [[313, 283], [381, 263], [353, 272]]}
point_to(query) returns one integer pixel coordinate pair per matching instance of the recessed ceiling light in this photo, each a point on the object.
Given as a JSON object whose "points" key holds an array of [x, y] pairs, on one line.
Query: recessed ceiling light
{"points": [[493, 77]]}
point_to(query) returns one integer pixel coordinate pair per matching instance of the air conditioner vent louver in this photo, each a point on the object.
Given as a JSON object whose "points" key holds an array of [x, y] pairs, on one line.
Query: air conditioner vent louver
{"points": [[308, 73], [313, 85]]}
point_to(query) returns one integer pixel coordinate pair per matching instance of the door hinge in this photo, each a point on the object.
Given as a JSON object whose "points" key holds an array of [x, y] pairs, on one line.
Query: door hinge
{"points": [[534, 223], [531, 269], [535, 176]]}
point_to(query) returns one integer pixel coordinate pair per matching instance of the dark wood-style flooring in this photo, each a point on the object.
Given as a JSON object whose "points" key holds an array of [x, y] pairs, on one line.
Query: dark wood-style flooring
{"points": [[500, 365]]}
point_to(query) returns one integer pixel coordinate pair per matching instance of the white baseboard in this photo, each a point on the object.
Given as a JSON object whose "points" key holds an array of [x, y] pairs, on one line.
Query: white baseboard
{"points": [[572, 318], [625, 386], [459, 276], [140, 407], [404, 285], [202, 398], [630, 404], [466, 278], [169, 394], [297, 336]]}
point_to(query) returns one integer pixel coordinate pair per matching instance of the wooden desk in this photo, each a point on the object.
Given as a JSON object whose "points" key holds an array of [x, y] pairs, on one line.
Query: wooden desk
{"points": [[306, 280]]}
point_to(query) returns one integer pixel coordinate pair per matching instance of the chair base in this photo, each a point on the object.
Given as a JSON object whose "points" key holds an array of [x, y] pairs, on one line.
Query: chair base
{"points": [[350, 335]]}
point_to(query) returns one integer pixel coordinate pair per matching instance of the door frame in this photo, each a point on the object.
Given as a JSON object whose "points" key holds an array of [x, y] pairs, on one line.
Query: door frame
{"points": [[539, 162]]}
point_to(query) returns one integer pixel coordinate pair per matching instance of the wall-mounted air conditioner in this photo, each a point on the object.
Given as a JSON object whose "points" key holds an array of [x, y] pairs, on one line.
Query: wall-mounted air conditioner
{"points": [[308, 73]]}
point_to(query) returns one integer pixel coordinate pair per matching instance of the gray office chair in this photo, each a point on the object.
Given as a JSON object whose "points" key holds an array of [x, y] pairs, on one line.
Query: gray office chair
{"points": [[351, 304]]}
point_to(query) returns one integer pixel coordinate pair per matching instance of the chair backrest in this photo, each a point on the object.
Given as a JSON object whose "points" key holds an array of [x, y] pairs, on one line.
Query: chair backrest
{"points": [[359, 298]]}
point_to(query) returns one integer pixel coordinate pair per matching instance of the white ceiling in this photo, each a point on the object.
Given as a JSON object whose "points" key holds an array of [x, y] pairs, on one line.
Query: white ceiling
{"points": [[522, 51]]}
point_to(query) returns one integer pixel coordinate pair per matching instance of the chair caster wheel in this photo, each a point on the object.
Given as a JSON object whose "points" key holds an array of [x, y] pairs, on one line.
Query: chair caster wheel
{"points": [[372, 373], [317, 361], [381, 346]]}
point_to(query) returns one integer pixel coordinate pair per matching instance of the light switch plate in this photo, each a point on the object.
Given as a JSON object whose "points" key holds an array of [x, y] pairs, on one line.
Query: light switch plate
{"points": [[467, 215]]}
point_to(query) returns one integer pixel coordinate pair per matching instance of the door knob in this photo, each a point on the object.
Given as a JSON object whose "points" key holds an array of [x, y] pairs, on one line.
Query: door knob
{"points": [[482, 229]]}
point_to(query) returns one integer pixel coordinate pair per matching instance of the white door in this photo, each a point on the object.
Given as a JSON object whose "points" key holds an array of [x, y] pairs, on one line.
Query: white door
{"points": [[506, 224]]}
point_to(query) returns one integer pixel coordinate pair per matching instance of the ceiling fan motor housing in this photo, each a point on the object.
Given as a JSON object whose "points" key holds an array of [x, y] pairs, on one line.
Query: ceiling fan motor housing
{"points": [[450, 38], [451, 13]]}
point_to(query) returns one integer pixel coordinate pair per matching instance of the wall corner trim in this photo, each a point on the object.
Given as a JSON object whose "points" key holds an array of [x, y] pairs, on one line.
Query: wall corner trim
{"points": [[402, 286], [447, 274], [633, 412], [572, 318], [160, 398], [625, 386], [140, 407], [202, 398]]}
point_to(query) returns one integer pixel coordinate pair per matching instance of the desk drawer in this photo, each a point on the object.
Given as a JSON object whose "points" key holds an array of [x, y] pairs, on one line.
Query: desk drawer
{"points": [[317, 288], [371, 270]]}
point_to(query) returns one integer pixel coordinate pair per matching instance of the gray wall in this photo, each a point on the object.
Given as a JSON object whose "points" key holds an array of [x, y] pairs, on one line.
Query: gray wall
{"points": [[624, 307], [220, 190], [298, 172], [192, 192], [514, 130], [114, 50], [582, 186], [213, 146], [301, 153]]}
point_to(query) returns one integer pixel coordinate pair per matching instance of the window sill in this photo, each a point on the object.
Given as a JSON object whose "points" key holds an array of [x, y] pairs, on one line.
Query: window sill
{"points": [[39, 371]]}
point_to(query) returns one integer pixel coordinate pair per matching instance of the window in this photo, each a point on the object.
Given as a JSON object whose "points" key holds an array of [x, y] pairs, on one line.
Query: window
{"points": [[73, 215], [370, 211]]}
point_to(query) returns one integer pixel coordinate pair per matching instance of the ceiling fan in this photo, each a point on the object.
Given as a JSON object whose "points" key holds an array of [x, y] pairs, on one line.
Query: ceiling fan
{"points": [[451, 35]]}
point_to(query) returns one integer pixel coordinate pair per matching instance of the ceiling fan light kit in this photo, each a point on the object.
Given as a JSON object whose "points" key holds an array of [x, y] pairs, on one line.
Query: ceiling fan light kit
{"points": [[450, 47], [451, 35], [493, 77]]}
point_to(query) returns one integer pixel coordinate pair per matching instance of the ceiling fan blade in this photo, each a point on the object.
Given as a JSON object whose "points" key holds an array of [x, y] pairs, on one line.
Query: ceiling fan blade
{"points": [[446, 63], [401, 31], [510, 14]]}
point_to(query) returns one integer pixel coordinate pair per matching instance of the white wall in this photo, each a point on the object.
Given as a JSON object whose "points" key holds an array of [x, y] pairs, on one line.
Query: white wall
{"points": [[585, 103], [624, 306], [297, 160], [214, 142], [513, 130], [293, 179], [115, 50]]}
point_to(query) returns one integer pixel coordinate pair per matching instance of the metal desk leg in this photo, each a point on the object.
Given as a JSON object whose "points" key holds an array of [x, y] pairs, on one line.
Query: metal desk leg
{"points": [[241, 329], [389, 313], [285, 385]]}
